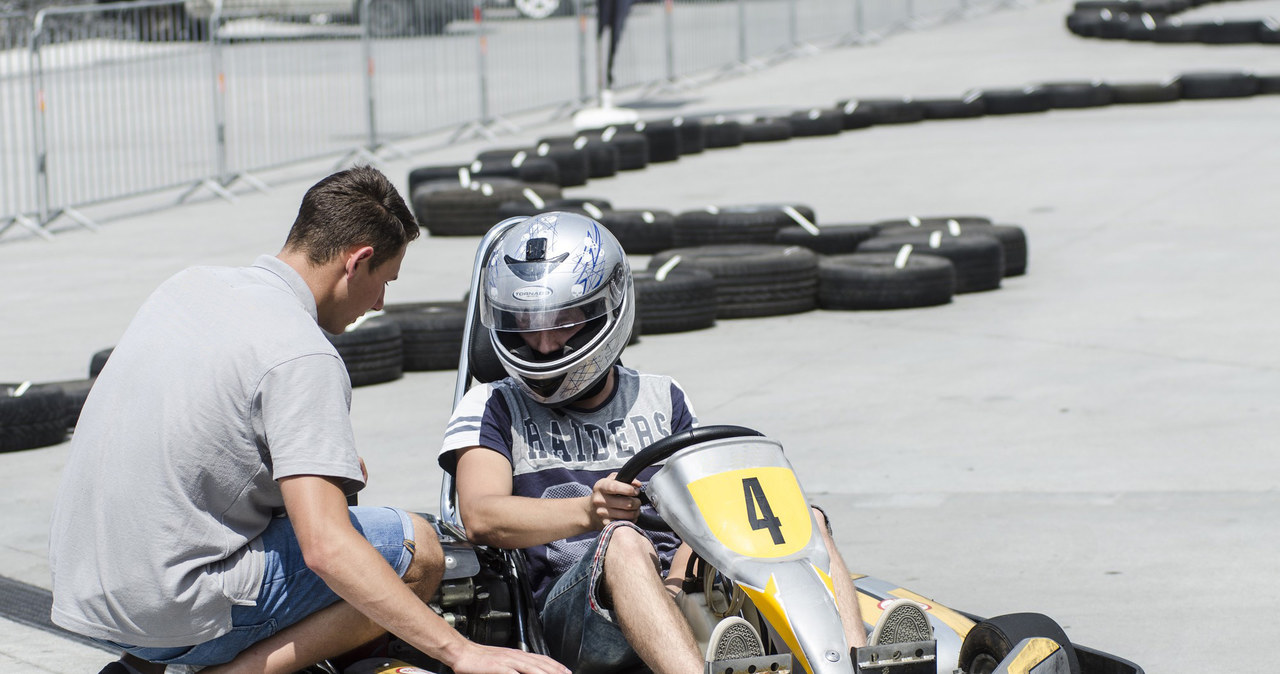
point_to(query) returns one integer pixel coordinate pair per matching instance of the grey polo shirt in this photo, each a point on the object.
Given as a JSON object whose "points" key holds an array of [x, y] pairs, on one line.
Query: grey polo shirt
{"points": [[221, 385]]}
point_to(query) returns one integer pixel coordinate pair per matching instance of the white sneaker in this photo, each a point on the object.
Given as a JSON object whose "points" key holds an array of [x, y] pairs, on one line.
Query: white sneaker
{"points": [[734, 638], [903, 621]]}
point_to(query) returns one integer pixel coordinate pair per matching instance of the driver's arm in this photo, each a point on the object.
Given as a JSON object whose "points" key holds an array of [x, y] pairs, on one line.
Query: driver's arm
{"points": [[494, 516]]}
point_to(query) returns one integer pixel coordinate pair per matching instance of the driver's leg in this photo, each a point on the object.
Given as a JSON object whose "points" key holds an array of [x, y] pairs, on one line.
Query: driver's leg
{"points": [[855, 631], [597, 621], [646, 611]]}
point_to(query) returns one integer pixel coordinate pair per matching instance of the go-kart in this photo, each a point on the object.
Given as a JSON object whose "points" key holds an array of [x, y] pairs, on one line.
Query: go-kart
{"points": [[732, 495]]}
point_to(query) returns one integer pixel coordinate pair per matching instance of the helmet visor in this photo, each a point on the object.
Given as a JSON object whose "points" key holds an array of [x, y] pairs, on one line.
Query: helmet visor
{"points": [[556, 299]]}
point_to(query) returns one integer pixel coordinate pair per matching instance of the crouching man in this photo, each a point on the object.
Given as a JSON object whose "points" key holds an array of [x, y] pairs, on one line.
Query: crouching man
{"points": [[202, 516]]}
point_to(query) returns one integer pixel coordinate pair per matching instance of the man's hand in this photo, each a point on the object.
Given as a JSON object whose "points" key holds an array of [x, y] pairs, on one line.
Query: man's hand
{"points": [[478, 659], [613, 500]]}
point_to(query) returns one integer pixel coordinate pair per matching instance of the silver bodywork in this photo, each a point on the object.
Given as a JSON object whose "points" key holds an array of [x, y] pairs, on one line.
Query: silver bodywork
{"points": [[809, 604]]}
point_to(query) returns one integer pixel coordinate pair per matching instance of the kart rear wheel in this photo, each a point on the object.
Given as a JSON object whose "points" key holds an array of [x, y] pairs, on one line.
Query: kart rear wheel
{"points": [[991, 640]]}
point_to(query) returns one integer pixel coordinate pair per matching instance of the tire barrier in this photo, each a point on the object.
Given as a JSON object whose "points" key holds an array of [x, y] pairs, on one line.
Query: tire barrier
{"points": [[829, 240], [1011, 237], [861, 281], [641, 232], [472, 210], [1155, 21], [978, 259], [731, 224], [32, 416], [431, 333], [681, 299], [753, 280], [372, 349]]}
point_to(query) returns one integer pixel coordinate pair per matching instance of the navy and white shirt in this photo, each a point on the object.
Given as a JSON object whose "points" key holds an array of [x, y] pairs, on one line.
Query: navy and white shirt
{"points": [[562, 452]]}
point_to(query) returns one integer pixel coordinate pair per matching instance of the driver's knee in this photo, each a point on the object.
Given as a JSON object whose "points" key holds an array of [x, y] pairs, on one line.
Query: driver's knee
{"points": [[427, 566], [628, 549]]}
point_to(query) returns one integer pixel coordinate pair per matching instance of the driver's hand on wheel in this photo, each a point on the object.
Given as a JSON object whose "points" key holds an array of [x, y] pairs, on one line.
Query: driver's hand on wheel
{"points": [[479, 659], [613, 500]]}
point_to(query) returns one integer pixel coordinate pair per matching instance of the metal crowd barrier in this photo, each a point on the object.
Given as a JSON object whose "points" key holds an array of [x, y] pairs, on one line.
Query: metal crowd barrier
{"points": [[112, 101], [17, 156]]}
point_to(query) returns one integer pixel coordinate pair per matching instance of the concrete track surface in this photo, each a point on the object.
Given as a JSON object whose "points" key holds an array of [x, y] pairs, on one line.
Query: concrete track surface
{"points": [[1094, 441]]}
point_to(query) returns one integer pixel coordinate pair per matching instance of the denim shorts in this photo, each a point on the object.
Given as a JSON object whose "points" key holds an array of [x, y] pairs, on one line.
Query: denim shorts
{"points": [[581, 631], [290, 591]]}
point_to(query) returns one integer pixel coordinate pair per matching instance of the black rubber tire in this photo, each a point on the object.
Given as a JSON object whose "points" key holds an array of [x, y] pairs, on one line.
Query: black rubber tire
{"points": [[930, 222], [1011, 237], [431, 333], [524, 207], [830, 239], [574, 163], [641, 232], [871, 281], [953, 108], [98, 361], [632, 146], [470, 212], [754, 279], [816, 122], [728, 226], [855, 116], [684, 300], [522, 166], [1175, 32], [719, 132], [978, 258], [1214, 84], [1078, 94], [903, 110], [37, 418], [1015, 101], [1146, 92], [766, 130], [602, 157], [76, 392], [372, 352], [693, 135], [991, 640], [423, 174], [1268, 84], [664, 140], [1230, 31]]}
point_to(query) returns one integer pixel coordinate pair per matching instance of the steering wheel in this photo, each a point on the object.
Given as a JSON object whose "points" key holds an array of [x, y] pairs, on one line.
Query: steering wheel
{"points": [[666, 447]]}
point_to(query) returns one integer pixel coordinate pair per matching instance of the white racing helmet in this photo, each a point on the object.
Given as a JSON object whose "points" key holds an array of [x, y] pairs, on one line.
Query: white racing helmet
{"points": [[554, 271]]}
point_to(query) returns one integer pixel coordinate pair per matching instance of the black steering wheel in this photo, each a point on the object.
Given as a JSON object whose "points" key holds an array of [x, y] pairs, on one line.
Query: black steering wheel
{"points": [[666, 447]]}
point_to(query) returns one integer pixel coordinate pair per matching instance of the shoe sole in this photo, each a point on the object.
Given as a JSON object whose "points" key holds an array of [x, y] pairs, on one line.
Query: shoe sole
{"points": [[902, 623], [734, 641]]}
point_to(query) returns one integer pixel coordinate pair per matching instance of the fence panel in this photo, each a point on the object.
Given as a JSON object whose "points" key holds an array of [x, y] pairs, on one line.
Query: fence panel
{"points": [[428, 79], [124, 108], [766, 28], [288, 91], [537, 63], [17, 152], [825, 22]]}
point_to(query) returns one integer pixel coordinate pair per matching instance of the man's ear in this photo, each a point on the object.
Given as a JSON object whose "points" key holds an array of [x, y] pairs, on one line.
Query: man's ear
{"points": [[356, 257]]}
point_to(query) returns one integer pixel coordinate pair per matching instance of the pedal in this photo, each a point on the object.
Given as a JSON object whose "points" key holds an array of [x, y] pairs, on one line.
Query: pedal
{"points": [[764, 664], [914, 657]]}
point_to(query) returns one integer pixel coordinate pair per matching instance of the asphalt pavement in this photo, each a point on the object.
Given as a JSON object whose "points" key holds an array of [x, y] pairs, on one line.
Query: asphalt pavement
{"points": [[1094, 440]]}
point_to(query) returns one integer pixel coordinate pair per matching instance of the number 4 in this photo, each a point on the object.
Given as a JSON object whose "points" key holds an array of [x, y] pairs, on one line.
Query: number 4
{"points": [[764, 518]]}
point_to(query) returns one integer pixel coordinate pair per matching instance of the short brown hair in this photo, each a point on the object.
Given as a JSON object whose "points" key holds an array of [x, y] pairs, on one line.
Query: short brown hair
{"points": [[358, 206]]}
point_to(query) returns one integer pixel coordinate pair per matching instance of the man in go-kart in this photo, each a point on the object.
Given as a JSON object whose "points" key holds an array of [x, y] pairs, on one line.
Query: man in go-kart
{"points": [[535, 456]]}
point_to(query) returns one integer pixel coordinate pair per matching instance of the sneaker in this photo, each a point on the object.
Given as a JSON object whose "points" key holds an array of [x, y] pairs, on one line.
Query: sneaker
{"points": [[732, 639], [903, 621]]}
